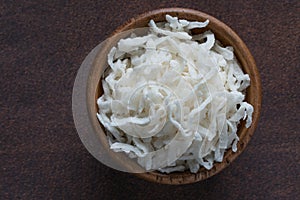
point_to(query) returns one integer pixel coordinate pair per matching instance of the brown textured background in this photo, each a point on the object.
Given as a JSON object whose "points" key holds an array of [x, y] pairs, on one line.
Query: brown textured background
{"points": [[42, 46]]}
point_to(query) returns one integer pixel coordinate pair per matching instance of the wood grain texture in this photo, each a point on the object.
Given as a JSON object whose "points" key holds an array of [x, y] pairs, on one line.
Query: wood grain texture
{"points": [[42, 47]]}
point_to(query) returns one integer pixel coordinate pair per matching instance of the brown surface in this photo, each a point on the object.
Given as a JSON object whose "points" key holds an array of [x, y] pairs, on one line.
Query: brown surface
{"points": [[42, 47]]}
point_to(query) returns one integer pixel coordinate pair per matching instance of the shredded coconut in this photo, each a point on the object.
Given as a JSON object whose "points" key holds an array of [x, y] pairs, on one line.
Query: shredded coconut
{"points": [[173, 100]]}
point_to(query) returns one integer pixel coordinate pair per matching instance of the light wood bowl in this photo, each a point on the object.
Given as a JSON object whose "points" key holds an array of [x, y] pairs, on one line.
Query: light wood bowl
{"points": [[228, 38]]}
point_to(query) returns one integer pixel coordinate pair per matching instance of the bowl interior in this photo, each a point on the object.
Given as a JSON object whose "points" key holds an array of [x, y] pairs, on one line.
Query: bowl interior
{"points": [[222, 33]]}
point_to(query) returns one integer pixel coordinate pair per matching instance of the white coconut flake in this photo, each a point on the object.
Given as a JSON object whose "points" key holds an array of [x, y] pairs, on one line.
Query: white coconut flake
{"points": [[193, 25], [172, 100]]}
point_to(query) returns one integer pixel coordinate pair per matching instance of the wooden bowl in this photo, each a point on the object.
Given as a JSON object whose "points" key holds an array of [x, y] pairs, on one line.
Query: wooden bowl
{"points": [[228, 38]]}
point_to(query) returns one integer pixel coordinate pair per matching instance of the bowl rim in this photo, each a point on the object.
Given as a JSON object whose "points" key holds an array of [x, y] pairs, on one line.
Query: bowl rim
{"points": [[248, 66]]}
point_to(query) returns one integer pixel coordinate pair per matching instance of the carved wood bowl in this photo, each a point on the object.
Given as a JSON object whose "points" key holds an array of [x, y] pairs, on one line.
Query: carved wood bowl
{"points": [[93, 90]]}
